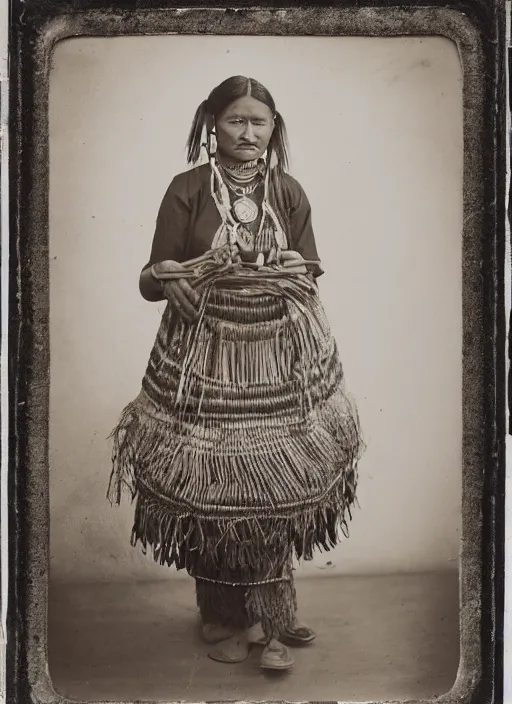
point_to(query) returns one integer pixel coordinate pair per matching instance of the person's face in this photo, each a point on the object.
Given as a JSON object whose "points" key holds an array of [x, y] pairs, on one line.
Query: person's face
{"points": [[244, 129]]}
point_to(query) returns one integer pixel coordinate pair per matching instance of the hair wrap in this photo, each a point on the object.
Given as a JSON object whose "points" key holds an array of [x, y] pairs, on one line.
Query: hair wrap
{"points": [[199, 123]]}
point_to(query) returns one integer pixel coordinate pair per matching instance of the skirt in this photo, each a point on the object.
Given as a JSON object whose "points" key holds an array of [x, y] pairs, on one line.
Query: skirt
{"points": [[241, 448]]}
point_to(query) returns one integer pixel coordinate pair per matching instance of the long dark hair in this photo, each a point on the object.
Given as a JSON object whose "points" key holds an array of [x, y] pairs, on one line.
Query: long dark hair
{"points": [[219, 99]]}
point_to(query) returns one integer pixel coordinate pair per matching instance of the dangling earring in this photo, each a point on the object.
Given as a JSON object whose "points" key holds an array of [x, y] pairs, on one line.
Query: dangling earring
{"points": [[212, 143], [273, 159]]}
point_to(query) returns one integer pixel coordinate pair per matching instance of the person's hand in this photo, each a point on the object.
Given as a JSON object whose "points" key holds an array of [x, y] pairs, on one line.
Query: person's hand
{"points": [[180, 294], [292, 262]]}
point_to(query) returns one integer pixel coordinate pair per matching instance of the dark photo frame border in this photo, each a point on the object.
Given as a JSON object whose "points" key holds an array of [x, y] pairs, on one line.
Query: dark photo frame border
{"points": [[478, 29]]}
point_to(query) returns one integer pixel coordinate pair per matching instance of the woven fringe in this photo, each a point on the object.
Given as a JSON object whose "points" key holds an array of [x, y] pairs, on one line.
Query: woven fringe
{"points": [[215, 473], [180, 539], [242, 447]]}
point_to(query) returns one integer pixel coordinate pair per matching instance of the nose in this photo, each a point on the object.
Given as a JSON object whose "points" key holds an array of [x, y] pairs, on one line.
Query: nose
{"points": [[248, 133]]}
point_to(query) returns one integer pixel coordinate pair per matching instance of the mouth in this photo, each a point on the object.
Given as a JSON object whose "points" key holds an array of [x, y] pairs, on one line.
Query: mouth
{"points": [[247, 147]]}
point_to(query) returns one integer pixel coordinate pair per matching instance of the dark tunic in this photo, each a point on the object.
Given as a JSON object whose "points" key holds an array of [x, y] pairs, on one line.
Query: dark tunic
{"points": [[188, 219]]}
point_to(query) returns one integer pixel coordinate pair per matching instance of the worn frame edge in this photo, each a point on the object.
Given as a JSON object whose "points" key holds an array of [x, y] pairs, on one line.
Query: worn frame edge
{"points": [[443, 22]]}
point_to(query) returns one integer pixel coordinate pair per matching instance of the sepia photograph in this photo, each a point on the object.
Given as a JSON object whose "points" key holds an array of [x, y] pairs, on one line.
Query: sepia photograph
{"points": [[255, 429]]}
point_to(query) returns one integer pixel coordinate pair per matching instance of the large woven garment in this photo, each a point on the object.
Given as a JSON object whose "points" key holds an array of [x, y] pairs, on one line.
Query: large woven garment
{"points": [[242, 446]]}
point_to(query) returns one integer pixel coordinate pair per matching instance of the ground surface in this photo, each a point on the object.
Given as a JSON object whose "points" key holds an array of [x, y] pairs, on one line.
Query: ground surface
{"points": [[379, 638]]}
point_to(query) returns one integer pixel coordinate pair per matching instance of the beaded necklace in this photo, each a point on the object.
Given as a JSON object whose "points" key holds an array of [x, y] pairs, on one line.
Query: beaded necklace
{"points": [[235, 217], [243, 179], [244, 171]]}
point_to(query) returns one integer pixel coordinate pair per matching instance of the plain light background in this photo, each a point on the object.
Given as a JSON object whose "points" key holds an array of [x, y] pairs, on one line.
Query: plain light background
{"points": [[375, 127]]}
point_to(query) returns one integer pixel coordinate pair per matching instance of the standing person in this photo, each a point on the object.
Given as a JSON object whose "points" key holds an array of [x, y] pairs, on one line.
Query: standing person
{"points": [[242, 446]]}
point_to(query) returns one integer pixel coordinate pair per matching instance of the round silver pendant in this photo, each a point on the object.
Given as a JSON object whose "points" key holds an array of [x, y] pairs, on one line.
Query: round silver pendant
{"points": [[245, 210]]}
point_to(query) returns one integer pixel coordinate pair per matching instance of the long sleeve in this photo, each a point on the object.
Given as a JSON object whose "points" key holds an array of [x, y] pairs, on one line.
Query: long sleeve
{"points": [[170, 238], [301, 227], [172, 225]]}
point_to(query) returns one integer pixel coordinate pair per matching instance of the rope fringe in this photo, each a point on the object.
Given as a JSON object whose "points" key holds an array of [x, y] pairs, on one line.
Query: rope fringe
{"points": [[242, 446]]}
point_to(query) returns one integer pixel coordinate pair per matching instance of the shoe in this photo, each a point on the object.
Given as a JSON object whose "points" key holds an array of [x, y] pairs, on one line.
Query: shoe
{"points": [[297, 634], [256, 635], [214, 632], [294, 635], [276, 656], [231, 650]]}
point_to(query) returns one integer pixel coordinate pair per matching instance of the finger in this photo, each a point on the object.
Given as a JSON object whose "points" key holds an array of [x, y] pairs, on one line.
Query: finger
{"points": [[178, 309], [173, 287], [290, 254], [185, 308], [174, 301], [184, 303], [291, 263], [189, 292]]}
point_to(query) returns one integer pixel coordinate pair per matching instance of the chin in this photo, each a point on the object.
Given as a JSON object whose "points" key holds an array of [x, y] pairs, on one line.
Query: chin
{"points": [[242, 156], [249, 157]]}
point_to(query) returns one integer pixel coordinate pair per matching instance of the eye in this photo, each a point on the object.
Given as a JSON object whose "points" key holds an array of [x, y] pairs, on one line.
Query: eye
{"points": [[235, 121]]}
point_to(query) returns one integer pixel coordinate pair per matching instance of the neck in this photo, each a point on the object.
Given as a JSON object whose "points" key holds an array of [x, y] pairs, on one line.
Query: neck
{"points": [[240, 166], [242, 172]]}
